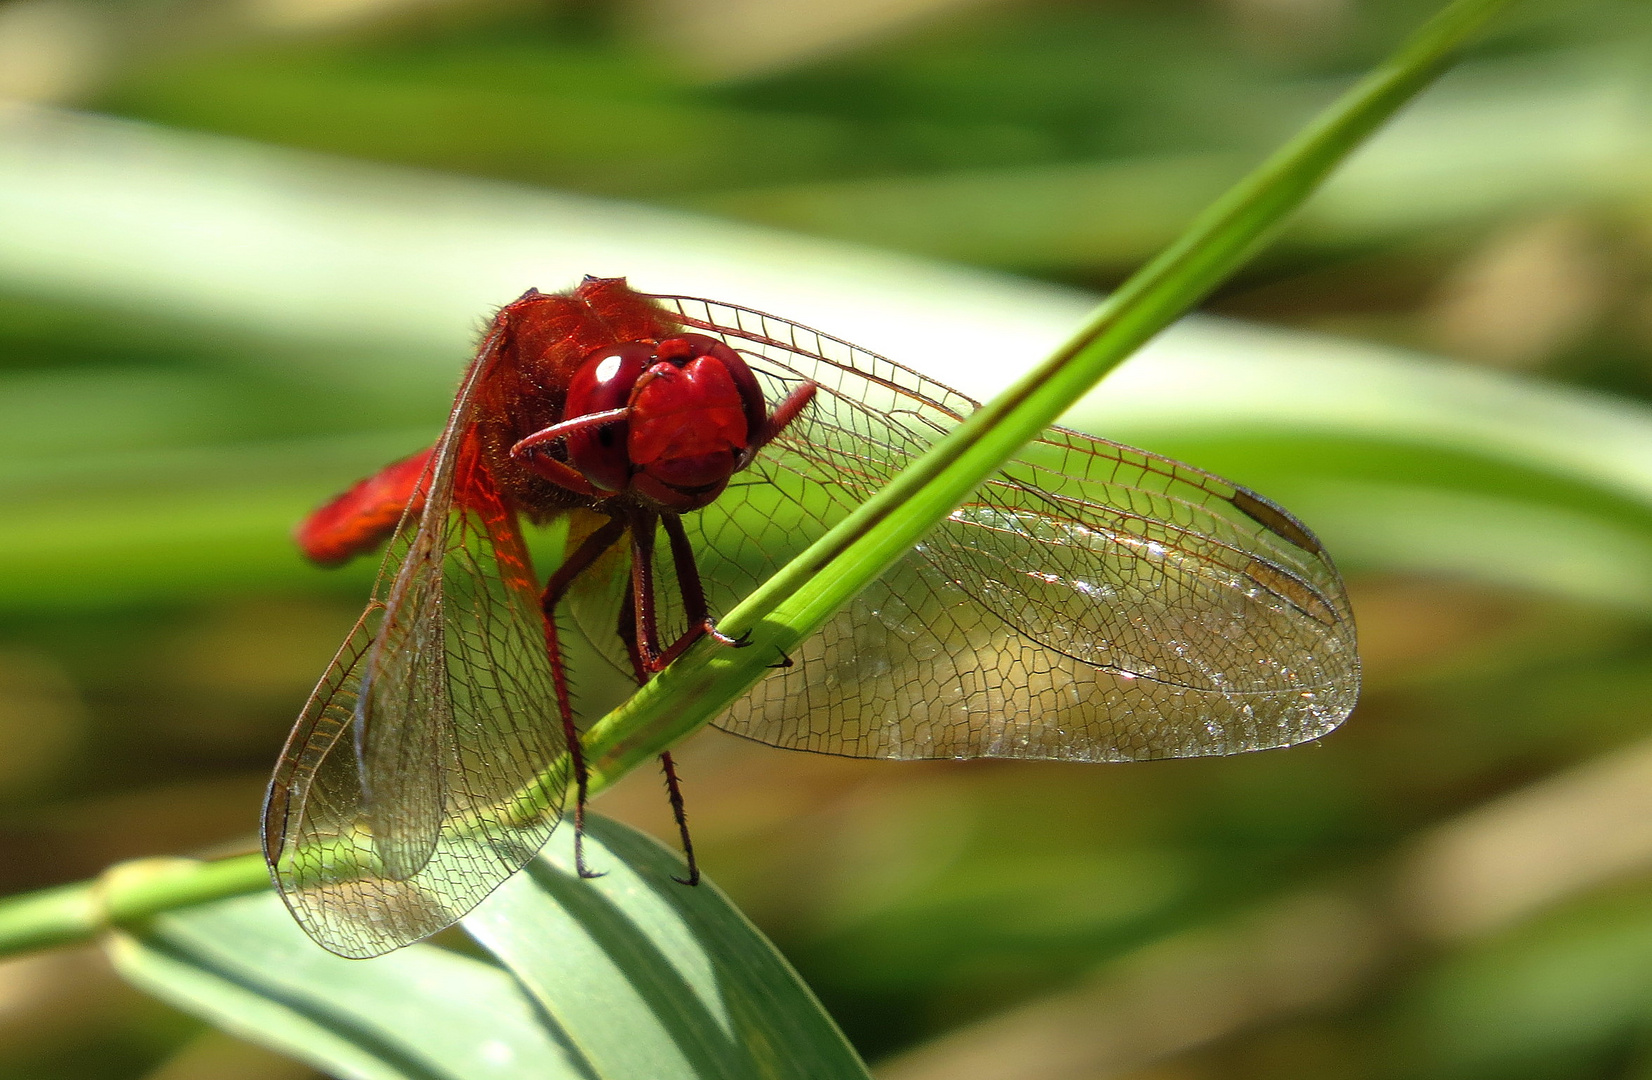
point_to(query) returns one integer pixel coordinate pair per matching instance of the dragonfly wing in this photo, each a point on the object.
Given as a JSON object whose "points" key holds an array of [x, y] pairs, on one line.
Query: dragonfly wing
{"points": [[1207, 619], [1149, 611], [1091, 602], [429, 764]]}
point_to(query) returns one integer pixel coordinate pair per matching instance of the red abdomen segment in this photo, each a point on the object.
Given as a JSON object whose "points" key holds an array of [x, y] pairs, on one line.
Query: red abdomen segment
{"points": [[364, 517]]}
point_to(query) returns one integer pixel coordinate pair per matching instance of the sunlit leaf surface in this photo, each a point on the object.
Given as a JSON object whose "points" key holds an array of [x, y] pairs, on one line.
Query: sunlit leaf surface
{"points": [[628, 975], [419, 1014], [648, 977]]}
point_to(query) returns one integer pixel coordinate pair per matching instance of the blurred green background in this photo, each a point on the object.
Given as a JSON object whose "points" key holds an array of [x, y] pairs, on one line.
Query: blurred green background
{"points": [[1458, 884]]}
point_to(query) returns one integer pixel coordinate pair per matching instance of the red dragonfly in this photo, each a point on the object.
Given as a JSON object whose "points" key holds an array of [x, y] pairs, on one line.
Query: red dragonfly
{"points": [[1092, 602]]}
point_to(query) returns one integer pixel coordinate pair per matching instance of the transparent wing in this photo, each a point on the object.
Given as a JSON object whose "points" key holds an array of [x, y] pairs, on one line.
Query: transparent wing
{"points": [[1093, 602], [429, 763]]}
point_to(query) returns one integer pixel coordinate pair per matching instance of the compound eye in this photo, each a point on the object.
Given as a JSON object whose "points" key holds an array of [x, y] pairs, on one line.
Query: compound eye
{"points": [[604, 381]]}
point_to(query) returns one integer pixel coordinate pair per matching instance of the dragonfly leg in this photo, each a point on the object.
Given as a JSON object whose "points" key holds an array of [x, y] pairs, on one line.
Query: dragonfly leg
{"points": [[674, 791], [639, 627], [559, 473], [558, 432], [782, 416], [556, 588], [644, 634], [694, 596], [628, 634], [711, 631]]}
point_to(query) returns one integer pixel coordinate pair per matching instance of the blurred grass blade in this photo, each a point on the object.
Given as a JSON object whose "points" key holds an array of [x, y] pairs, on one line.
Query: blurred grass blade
{"points": [[419, 1014], [1495, 135], [649, 978], [1401, 463]]}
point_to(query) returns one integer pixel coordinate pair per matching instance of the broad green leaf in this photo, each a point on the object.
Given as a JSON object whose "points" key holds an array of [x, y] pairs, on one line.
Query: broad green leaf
{"points": [[422, 1013], [627, 975], [647, 977]]}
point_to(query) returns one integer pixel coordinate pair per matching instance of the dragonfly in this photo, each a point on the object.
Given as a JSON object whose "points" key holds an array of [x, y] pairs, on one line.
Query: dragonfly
{"points": [[1090, 602]]}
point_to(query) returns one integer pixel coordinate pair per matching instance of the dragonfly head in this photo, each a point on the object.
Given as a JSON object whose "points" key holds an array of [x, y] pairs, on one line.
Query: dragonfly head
{"points": [[691, 407]]}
